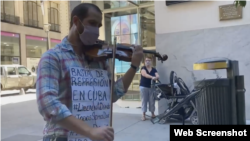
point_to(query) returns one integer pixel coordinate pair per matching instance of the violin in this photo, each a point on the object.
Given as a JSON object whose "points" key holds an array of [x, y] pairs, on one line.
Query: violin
{"points": [[123, 52]]}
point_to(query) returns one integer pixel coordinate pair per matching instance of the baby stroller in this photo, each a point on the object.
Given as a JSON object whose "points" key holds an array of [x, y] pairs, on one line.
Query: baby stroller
{"points": [[175, 92]]}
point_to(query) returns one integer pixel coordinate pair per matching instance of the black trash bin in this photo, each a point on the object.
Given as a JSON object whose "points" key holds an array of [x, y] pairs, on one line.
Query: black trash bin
{"points": [[214, 103]]}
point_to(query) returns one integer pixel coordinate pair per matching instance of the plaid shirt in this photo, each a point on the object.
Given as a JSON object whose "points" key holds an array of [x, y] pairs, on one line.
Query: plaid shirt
{"points": [[54, 88]]}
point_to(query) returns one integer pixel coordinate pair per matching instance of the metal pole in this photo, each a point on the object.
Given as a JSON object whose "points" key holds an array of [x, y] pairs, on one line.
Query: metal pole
{"points": [[240, 100], [232, 72]]}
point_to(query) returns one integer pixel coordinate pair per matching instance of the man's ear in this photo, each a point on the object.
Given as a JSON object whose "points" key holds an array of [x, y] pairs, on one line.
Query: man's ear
{"points": [[75, 21]]}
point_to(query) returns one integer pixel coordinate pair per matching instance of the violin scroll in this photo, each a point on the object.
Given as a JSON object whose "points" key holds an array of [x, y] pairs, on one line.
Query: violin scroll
{"points": [[164, 57]]}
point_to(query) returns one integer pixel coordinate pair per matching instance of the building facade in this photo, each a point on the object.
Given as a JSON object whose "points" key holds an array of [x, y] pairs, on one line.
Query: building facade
{"points": [[24, 29], [191, 31]]}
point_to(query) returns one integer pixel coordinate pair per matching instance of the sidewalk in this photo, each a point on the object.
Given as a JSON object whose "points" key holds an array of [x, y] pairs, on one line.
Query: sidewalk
{"points": [[127, 125]]}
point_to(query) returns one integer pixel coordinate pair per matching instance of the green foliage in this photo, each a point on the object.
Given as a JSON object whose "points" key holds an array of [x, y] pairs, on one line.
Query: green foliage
{"points": [[240, 3]]}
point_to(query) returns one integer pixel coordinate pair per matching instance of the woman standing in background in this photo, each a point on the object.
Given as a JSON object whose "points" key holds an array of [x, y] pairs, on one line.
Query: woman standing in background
{"points": [[148, 73]]}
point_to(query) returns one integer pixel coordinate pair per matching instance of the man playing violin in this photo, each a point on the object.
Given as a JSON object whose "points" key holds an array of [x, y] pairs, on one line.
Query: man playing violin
{"points": [[54, 79]]}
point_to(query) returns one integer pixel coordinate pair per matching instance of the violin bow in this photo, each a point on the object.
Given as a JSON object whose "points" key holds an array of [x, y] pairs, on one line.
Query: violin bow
{"points": [[112, 83]]}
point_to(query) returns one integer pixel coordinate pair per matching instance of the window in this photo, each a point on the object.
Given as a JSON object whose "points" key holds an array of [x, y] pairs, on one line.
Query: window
{"points": [[54, 42], [23, 71], [10, 47], [8, 12], [11, 71], [35, 46], [54, 16], [118, 4], [33, 14], [143, 2], [1, 71]]}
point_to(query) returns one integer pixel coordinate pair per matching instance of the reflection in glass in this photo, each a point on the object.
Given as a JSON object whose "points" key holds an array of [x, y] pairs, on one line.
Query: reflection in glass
{"points": [[147, 18], [118, 39], [112, 4], [118, 4], [147, 1], [125, 39], [54, 42], [134, 39], [124, 26], [35, 46], [10, 47]]}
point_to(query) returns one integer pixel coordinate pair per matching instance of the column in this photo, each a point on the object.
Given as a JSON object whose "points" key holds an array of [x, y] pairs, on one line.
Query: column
{"points": [[23, 49], [64, 18], [46, 12], [19, 10]]}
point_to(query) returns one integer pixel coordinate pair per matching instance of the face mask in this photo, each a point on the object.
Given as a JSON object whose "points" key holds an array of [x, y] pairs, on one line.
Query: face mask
{"points": [[148, 63], [89, 35]]}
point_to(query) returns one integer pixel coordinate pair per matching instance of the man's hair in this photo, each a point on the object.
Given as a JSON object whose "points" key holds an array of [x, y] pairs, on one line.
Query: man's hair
{"points": [[81, 11]]}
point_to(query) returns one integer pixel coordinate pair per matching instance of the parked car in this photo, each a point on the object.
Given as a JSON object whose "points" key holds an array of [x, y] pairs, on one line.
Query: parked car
{"points": [[15, 77]]}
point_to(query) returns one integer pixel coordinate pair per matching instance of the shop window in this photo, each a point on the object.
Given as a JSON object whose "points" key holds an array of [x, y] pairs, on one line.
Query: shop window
{"points": [[124, 26], [118, 4], [54, 16], [33, 14], [54, 42], [10, 47], [35, 46]]}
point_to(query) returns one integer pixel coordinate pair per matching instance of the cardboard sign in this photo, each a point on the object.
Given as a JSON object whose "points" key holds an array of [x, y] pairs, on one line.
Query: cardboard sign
{"points": [[90, 98]]}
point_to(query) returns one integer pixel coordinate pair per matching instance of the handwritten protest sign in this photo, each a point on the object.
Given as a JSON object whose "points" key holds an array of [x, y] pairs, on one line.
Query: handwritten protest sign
{"points": [[90, 98]]}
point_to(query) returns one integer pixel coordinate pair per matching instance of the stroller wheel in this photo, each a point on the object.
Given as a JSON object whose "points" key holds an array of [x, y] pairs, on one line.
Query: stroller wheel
{"points": [[194, 120], [183, 86]]}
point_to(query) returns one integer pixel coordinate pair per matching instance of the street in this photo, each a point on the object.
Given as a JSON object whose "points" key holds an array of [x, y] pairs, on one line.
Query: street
{"points": [[22, 121]]}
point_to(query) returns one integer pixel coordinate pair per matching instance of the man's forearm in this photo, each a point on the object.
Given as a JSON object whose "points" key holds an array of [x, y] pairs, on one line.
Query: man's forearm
{"points": [[128, 77], [78, 126]]}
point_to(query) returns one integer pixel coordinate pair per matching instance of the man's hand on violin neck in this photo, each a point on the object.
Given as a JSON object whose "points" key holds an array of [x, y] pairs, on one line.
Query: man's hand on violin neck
{"points": [[137, 56]]}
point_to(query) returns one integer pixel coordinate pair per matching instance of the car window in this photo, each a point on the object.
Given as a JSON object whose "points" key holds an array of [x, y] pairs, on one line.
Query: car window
{"points": [[23, 70], [1, 70], [11, 70]]}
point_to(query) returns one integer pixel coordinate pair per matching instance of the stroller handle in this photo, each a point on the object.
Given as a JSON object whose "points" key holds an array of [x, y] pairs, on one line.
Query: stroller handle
{"points": [[153, 83]]}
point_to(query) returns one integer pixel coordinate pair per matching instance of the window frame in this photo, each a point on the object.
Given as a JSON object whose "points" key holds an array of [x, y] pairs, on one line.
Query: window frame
{"points": [[4, 11], [53, 12], [31, 10]]}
